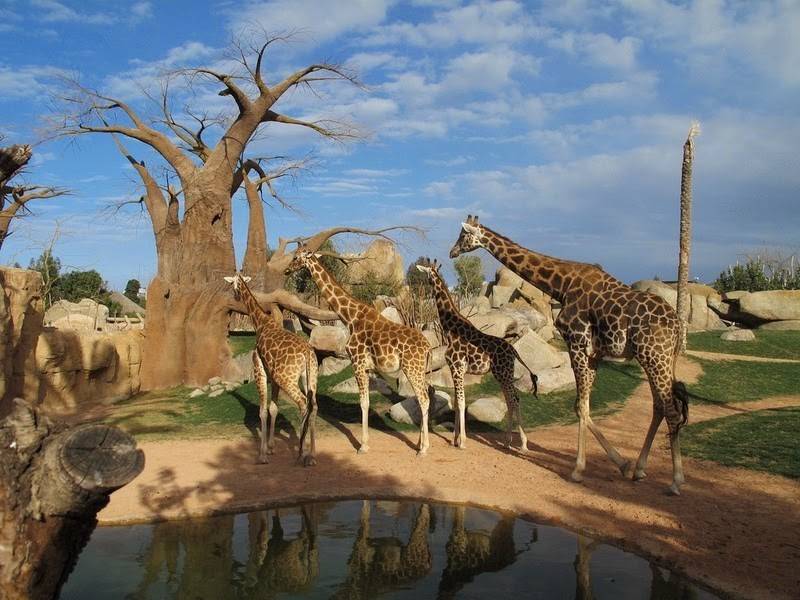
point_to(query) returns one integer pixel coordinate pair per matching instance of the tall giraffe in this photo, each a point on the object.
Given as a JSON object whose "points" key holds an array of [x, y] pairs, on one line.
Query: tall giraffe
{"points": [[470, 350], [375, 343], [601, 316], [281, 358]]}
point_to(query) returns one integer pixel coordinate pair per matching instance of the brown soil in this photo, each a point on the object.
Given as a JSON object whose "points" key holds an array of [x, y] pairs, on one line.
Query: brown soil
{"points": [[735, 530]]}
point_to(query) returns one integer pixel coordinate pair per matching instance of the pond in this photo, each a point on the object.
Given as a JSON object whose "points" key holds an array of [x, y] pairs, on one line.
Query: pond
{"points": [[362, 549]]}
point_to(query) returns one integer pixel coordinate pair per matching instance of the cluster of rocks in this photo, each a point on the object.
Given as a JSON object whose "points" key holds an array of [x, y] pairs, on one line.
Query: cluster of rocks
{"points": [[709, 310], [215, 387]]}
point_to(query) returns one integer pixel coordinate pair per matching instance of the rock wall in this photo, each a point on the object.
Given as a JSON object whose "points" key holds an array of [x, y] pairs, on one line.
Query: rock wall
{"points": [[58, 370], [380, 259]]}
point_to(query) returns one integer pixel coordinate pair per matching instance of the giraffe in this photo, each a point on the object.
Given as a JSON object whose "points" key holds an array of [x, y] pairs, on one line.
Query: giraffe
{"points": [[281, 358], [375, 343], [601, 316], [470, 350]]}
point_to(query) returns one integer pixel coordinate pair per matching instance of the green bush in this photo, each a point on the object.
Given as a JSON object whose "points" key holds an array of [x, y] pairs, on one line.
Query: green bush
{"points": [[469, 271], [757, 275]]}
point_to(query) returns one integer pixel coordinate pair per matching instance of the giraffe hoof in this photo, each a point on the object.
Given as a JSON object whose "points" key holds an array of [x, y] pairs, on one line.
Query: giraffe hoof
{"points": [[524, 450], [309, 461], [262, 460], [674, 490], [363, 449], [422, 453], [639, 474], [270, 451], [576, 476], [624, 468]]}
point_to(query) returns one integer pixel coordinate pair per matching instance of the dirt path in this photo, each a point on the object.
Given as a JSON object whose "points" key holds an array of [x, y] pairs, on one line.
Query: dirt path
{"points": [[733, 529]]}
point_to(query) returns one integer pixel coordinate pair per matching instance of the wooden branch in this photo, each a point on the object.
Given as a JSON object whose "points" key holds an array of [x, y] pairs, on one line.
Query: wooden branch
{"points": [[346, 131], [288, 301], [231, 89], [315, 242]]}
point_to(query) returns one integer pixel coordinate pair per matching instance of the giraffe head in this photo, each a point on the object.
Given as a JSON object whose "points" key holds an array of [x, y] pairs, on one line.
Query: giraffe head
{"points": [[238, 282], [471, 237], [430, 268], [302, 257]]}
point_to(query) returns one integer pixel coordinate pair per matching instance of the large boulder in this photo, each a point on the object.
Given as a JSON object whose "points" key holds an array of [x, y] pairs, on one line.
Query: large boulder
{"points": [[701, 316], [536, 354], [501, 295], [774, 305], [738, 335], [392, 314], [86, 315], [494, 323], [407, 411], [788, 325], [557, 379], [332, 365], [128, 305], [21, 313], [381, 260], [438, 349], [659, 288], [525, 318], [330, 339], [490, 409]]}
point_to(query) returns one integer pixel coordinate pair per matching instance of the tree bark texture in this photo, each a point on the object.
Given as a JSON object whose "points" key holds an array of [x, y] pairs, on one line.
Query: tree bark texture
{"points": [[685, 243], [53, 481]]}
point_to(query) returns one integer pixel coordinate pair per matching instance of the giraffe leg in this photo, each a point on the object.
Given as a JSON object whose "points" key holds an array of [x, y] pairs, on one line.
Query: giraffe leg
{"points": [[362, 379], [417, 381], [301, 401], [584, 377], [311, 392], [655, 421], [460, 425], [273, 415], [263, 404], [512, 402]]}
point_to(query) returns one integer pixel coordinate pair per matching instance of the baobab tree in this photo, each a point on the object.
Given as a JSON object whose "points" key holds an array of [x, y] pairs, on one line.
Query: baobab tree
{"points": [[188, 305], [685, 242], [15, 195]]}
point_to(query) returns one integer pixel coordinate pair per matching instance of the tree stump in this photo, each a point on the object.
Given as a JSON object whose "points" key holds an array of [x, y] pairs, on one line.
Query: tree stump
{"points": [[53, 481]]}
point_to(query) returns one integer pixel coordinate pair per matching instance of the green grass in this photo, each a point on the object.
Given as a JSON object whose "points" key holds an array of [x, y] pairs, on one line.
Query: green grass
{"points": [[172, 414], [768, 344], [727, 381], [615, 382], [764, 440], [242, 342]]}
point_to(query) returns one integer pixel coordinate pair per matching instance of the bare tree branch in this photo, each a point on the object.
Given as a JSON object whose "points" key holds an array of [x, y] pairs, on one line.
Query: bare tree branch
{"points": [[288, 301]]}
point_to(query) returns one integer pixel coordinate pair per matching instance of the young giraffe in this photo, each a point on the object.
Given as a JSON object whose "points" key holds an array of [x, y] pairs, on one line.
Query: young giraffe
{"points": [[470, 350], [601, 316], [282, 358], [375, 343]]}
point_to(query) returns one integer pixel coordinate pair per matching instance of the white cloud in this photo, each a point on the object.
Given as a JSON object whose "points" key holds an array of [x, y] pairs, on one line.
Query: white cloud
{"points": [[450, 162], [321, 20], [141, 11], [51, 11], [375, 173], [440, 189], [599, 49], [28, 82]]}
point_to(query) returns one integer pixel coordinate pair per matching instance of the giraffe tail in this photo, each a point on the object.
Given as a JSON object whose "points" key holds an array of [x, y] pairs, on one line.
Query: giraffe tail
{"points": [[680, 398], [534, 376]]}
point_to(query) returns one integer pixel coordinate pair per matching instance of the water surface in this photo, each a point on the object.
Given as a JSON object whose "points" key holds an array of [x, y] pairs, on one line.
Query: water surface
{"points": [[363, 549]]}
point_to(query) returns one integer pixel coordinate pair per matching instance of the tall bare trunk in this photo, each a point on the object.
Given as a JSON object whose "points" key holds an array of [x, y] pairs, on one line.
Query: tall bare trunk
{"points": [[684, 300]]}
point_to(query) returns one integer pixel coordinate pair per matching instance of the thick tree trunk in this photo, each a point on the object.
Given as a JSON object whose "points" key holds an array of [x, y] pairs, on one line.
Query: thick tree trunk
{"points": [[53, 481]]}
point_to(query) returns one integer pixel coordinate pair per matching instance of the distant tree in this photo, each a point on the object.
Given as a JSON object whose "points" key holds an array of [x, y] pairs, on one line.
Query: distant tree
{"points": [[371, 286], [759, 273], [132, 290], [469, 271], [414, 277], [301, 282], [49, 267]]}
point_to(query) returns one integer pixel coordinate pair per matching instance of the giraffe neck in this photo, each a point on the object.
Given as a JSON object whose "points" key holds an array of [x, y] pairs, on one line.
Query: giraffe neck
{"points": [[544, 272], [254, 309], [340, 302], [447, 309]]}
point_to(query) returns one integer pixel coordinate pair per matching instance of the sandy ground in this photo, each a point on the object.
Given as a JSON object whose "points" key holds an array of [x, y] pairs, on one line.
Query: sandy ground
{"points": [[735, 530]]}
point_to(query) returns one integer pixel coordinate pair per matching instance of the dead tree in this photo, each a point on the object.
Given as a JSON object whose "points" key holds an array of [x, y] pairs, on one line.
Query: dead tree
{"points": [[187, 302], [684, 299], [53, 482], [15, 197]]}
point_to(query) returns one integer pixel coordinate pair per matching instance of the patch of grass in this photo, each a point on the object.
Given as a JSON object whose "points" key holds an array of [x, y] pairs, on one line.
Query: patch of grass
{"points": [[764, 440], [242, 342], [768, 344], [614, 384], [740, 381]]}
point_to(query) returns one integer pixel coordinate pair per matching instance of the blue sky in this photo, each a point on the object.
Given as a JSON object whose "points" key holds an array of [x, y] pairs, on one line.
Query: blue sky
{"points": [[559, 123]]}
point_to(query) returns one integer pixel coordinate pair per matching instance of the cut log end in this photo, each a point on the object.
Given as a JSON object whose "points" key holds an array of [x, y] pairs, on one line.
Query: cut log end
{"points": [[100, 458]]}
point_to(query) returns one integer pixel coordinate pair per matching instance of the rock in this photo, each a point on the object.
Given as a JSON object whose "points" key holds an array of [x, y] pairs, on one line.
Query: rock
{"points": [[348, 386], [86, 315], [774, 305], [214, 381], [536, 354], [788, 325], [494, 323], [490, 409], [128, 305], [547, 332], [378, 384], [554, 380], [216, 393], [240, 368], [738, 335], [734, 295], [501, 295], [407, 411], [524, 319], [332, 365], [701, 317], [381, 260], [441, 377], [391, 313], [196, 392], [330, 338], [229, 386]]}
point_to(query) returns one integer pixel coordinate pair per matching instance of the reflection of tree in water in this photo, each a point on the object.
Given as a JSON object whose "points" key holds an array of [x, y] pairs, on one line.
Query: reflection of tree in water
{"points": [[470, 553], [583, 578], [380, 564], [197, 556], [276, 564]]}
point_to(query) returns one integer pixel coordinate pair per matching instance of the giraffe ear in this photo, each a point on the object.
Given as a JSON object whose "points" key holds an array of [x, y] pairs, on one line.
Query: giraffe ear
{"points": [[246, 279], [317, 255], [230, 279], [469, 228], [422, 269]]}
